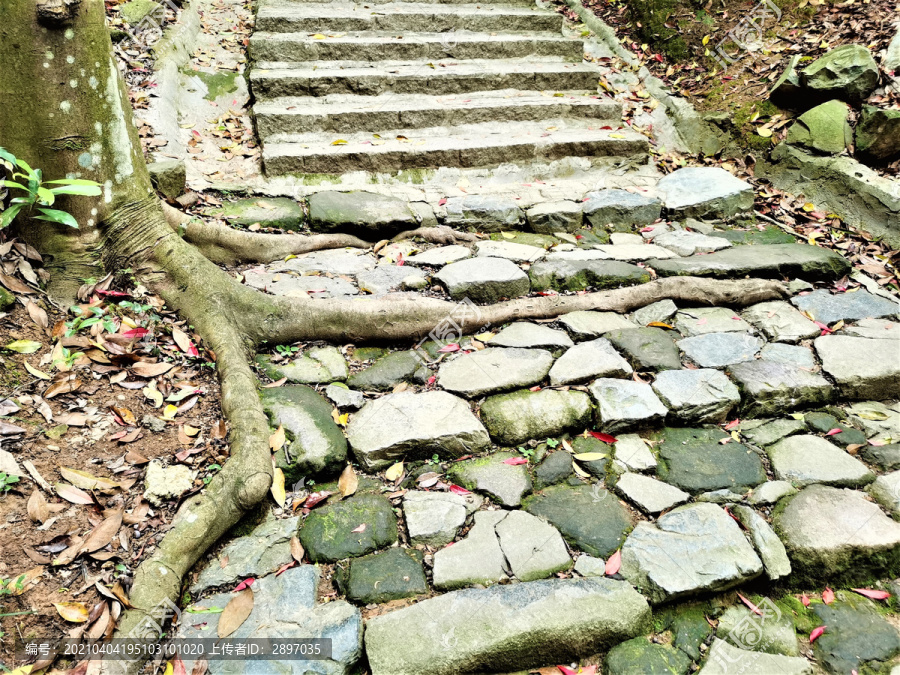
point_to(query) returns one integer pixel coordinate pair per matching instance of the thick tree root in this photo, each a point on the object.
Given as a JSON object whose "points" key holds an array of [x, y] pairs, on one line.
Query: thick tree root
{"points": [[226, 246], [403, 318], [438, 235]]}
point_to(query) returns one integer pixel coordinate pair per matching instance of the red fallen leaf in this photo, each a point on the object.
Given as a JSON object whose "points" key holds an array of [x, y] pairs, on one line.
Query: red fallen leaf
{"points": [[614, 563], [536, 387], [178, 666], [135, 333], [805, 600], [513, 461], [816, 633], [547, 293], [457, 490], [285, 568], [753, 608], [244, 585], [442, 201], [579, 236], [400, 261], [114, 294], [432, 379], [877, 442], [833, 432], [315, 498], [872, 593], [733, 424], [361, 528], [828, 596], [649, 228], [565, 670], [606, 438], [452, 347], [825, 329], [659, 58]]}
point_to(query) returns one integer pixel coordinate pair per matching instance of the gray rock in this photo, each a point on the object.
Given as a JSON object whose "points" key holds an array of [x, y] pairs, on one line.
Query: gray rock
{"points": [[723, 657], [275, 212], [285, 605], [883, 456], [494, 370], [589, 566], [824, 129], [657, 311], [289, 285], [704, 550], [557, 216], [648, 494], [799, 357], [858, 637], [386, 278], [389, 371], [876, 329], [433, 518], [642, 656], [714, 350], [518, 253], [877, 135], [767, 544], [876, 419], [697, 396], [702, 191], [414, 426], [587, 361], [836, 534], [886, 490], [169, 177], [862, 368], [483, 280], [590, 518], [759, 260], [770, 492], [506, 627], [527, 334], [553, 469], [723, 496], [686, 243], [788, 90], [848, 72], [257, 554], [332, 532], [164, 483], [647, 348], [694, 460], [619, 210], [769, 388], [485, 213], [344, 398], [333, 261], [832, 307], [533, 548], [635, 252], [381, 577], [771, 633], [587, 325], [580, 273], [507, 483], [316, 445], [704, 320], [365, 212], [477, 559], [633, 452], [624, 404], [520, 416], [780, 322], [440, 256], [625, 239], [772, 432], [805, 460], [317, 366]]}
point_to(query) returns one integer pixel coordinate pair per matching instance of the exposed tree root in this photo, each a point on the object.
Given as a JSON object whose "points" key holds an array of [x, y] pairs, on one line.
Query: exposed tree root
{"points": [[438, 235], [227, 246]]}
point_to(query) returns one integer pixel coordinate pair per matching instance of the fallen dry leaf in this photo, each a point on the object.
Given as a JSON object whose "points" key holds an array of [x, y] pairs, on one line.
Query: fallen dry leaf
{"points": [[348, 482], [235, 613], [74, 612]]}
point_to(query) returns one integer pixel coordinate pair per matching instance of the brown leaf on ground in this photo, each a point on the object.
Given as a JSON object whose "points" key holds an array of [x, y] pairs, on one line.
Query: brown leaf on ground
{"points": [[235, 613]]}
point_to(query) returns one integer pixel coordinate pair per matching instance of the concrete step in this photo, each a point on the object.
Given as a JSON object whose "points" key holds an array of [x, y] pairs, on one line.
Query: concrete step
{"points": [[402, 16], [347, 113], [442, 77], [475, 145], [380, 45]]}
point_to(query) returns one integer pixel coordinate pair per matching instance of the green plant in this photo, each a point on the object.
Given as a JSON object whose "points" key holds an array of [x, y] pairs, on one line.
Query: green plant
{"points": [[6, 482], [36, 194], [286, 350], [528, 453]]}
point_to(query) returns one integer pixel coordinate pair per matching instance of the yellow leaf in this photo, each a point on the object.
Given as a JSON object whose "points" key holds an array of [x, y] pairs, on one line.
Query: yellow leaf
{"points": [[838, 325], [616, 136], [764, 132], [797, 416], [339, 141], [394, 472], [485, 337], [736, 436], [37, 373], [277, 439], [170, 412], [508, 235], [74, 612], [278, 491], [706, 39], [151, 392], [318, 36], [581, 472], [23, 670], [661, 324], [190, 431], [170, 669], [809, 206], [340, 419], [348, 482], [589, 456]]}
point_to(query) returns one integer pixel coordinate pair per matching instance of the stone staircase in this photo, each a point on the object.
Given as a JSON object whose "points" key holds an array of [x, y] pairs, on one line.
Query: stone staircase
{"points": [[387, 87]]}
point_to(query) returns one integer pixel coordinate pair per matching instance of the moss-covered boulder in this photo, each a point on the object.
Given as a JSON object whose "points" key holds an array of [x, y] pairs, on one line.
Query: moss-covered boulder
{"points": [[275, 212], [7, 299], [524, 415], [348, 529], [389, 371], [824, 129], [642, 656], [504, 482], [168, 177], [316, 366], [316, 445], [361, 212], [848, 72], [135, 11], [878, 135], [382, 577], [857, 638]]}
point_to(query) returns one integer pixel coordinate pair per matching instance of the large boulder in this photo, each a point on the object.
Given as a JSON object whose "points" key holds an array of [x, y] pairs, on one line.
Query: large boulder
{"points": [[484, 279], [350, 528], [416, 426], [878, 135], [824, 129], [848, 72], [505, 628], [704, 191], [523, 415], [364, 212], [862, 367]]}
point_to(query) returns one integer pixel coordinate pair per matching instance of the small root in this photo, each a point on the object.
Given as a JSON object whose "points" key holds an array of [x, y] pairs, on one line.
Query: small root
{"points": [[443, 235]]}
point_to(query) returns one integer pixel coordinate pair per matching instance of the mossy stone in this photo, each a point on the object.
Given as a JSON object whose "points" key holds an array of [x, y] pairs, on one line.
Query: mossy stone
{"points": [[382, 577], [7, 299], [136, 11], [857, 636], [348, 529], [596, 467], [642, 656], [878, 135], [555, 468], [695, 461], [527, 238], [389, 371], [276, 212], [768, 235], [824, 129]]}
